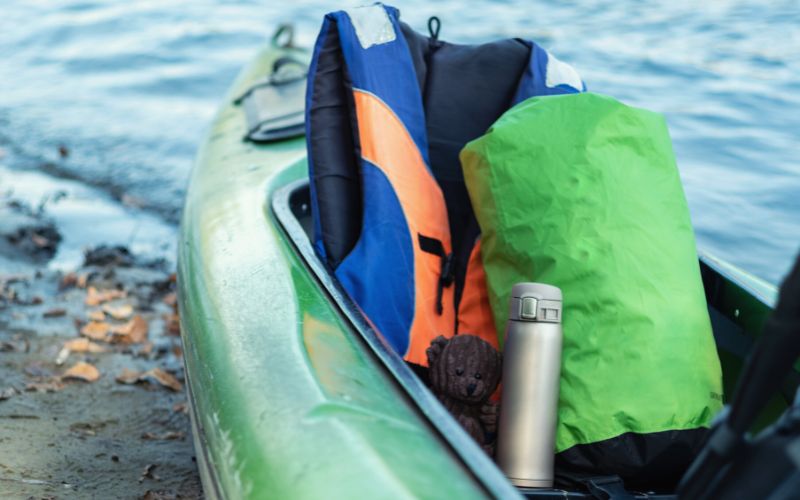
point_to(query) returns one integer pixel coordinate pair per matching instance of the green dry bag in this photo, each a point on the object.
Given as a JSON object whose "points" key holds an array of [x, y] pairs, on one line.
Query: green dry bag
{"points": [[582, 192]]}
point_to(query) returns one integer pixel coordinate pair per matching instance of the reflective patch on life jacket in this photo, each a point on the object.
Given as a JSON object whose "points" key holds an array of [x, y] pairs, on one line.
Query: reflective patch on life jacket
{"points": [[372, 25], [561, 73]]}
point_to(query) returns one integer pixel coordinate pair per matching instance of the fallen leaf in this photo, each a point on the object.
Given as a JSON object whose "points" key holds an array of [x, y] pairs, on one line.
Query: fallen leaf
{"points": [[127, 376], [170, 299], [91, 428], [96, 297], [172, 323], [158, 495], [39, 241], [69, 280], [82, 280], [147, 473], [96, 330], [180, 408], [96, 315], [51, 386], [14, 345], [78, 345], [7, 393], [121, 312], [87, 429], [84, 345], [82, 371], [164, 378], [132, 332], [54, 313], [36, 300], [163, 437]]}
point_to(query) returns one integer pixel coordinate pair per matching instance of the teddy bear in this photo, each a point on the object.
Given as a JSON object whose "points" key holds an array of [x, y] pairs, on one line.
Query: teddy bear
{"points": [[464, 372]]}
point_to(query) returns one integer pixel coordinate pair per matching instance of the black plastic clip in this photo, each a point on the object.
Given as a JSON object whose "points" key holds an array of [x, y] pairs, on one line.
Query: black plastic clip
{"points": [[447, 271]]}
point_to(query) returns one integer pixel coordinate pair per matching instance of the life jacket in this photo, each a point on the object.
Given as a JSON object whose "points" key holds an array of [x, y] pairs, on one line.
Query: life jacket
{"points": [[387, 112]]}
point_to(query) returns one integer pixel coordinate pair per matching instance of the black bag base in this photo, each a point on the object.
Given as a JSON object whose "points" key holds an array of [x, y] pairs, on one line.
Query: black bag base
{"points": [[651, 462]]}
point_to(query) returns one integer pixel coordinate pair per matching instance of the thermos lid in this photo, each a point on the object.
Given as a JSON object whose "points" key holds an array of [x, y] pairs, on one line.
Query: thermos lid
{"points": [[535, 302]]}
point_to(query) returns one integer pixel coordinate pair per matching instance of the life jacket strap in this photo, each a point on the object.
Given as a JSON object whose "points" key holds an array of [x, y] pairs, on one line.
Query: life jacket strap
{"points": [[447, 273]]}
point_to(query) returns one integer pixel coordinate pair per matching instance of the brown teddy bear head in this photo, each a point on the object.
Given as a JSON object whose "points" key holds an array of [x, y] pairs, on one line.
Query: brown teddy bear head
{"points": [[465, 368]]}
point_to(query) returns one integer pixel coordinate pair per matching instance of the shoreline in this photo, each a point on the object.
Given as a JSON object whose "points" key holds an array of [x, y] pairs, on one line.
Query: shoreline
{"points": [[91, 380]]}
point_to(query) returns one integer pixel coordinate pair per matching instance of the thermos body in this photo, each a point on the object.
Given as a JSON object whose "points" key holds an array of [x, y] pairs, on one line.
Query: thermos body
{"points": [[531, 374]]}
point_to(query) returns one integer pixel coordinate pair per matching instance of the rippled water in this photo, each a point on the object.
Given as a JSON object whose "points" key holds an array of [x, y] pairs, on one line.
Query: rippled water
{"points": [[130, 88]]}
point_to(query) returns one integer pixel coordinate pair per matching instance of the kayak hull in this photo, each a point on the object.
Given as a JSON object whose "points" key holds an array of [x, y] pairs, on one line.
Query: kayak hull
{"points": [[292, 393]]}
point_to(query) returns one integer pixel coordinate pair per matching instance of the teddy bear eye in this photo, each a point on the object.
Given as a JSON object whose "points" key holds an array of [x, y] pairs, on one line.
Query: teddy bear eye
{"points": [[459, 371], [478, 376]]}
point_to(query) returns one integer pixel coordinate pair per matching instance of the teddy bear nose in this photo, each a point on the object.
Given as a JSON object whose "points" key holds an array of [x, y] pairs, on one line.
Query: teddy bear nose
{"points": [[471, 389]]}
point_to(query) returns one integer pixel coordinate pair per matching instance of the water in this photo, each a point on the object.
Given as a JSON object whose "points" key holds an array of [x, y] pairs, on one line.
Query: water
{"points": [[130, 87]]}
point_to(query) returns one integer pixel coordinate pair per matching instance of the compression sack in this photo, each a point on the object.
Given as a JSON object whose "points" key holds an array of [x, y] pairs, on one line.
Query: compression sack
{"points": [[582, 192]]}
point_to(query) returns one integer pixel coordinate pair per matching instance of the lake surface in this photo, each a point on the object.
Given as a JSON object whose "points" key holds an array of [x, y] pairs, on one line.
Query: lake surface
{"points": [[130, 87]]}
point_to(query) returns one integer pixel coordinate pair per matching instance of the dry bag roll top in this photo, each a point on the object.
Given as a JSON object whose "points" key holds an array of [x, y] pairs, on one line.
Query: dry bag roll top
{"points": [[582, 192], [388, 111]]}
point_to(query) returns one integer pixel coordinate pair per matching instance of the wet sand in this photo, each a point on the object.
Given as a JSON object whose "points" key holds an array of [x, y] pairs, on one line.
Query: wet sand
{"points": [[125, 434]]}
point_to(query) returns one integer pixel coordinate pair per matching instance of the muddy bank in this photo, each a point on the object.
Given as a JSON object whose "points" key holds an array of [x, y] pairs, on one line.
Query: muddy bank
{"points": [[92, 403]]}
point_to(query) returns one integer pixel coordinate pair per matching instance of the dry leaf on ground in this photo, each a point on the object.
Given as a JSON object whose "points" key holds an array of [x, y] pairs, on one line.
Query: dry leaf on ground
{"points": [[7, 393], [147, 473], [163, 437], [96, 315], [164, 378], [127, 376], [69, 279], [82, 371], [172, 323], [78, 345], [159, 495], [122, 312], [54, 313], [51, 386], [132, 332], [96, 330], [84, 345], [170, 299], [95, 297]]}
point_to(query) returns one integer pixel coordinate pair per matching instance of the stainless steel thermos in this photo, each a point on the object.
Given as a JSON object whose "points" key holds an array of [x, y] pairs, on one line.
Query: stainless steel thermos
{"points": [[531, 373]]}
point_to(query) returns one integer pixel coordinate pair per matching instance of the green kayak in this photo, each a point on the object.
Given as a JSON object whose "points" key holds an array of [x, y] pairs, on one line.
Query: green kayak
{"points": [[292, 393]]}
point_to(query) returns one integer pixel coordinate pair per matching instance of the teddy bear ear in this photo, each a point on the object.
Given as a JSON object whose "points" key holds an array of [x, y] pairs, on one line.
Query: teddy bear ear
{"points": [[434, 351]]}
